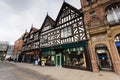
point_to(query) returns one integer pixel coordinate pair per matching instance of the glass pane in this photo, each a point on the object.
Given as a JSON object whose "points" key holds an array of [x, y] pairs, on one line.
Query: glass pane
{"points": [[118, 13]]}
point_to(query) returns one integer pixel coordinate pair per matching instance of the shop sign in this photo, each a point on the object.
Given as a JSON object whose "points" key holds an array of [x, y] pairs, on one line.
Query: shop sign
{"points": [[117, 43], [98, 38], [65, 46]]}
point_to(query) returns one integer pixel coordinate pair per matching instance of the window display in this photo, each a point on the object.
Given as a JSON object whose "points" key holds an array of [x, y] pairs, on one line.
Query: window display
{"points": [[74, 58]]}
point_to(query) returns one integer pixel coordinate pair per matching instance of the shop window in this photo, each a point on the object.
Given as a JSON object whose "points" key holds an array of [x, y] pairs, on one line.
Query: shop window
{"points": [[65, 12], [113, 13], [49, 58], [66, 32], [74, 57]]}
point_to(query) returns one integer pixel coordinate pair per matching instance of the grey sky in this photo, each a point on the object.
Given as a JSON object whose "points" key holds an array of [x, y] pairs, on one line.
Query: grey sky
{"points": [[18, 15]]}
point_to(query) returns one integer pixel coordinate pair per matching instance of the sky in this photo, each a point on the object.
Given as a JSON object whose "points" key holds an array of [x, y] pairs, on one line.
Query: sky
{"points": [[17, 16]]}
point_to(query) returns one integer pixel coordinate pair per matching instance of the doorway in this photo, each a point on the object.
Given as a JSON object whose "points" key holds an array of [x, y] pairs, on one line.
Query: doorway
{"points": [[58, 60], [103, 57]]}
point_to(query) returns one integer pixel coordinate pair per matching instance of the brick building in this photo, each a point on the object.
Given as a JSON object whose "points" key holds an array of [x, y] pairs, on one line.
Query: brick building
{"points": [[17, 51], [102, 22]]}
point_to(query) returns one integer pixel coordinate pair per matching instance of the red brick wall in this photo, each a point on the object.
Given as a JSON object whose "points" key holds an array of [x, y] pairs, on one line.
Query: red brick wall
{"points": [[18, 46]]}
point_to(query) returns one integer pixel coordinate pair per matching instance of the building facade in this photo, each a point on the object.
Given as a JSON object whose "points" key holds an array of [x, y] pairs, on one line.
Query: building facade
{"points": [[30, 48], [17, 51], [9, 51], [3, 49], [102, 22], [64, 42]]}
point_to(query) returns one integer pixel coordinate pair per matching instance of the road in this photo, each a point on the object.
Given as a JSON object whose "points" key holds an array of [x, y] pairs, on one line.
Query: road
{"points": [[12, 72]]}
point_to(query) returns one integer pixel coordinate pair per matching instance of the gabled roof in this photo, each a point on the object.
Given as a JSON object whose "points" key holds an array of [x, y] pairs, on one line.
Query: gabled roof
{"points": [[25, 34], [52, 22], [65, 4], [33, 29]]}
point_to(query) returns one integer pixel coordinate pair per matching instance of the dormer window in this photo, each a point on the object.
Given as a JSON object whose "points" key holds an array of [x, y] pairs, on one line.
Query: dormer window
{"points": [[89, 1], [36, 36], [46, 27]]}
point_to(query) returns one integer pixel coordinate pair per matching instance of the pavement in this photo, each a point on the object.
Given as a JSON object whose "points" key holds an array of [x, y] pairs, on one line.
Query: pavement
{"points": [[10, 71], [60, 73]]}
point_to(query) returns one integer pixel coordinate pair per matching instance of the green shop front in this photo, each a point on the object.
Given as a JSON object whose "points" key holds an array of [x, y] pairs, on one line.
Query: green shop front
{"points": [[72, 55]]}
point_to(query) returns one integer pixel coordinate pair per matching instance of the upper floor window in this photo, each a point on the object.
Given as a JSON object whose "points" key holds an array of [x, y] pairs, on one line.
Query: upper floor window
{"points": [[92, 14], [46, 27], [44, 39], [66, 32], [31, 36], [113, 13], [65, 12], [89, 1], [25, 39]]}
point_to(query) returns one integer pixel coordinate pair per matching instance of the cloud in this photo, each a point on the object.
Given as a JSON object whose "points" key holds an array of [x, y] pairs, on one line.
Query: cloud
{"points": [[18, 15]]}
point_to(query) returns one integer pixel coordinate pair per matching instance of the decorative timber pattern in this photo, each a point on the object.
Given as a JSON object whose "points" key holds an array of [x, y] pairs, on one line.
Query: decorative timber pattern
{"points": [[31, 40], [70, 21], [68, 28]]}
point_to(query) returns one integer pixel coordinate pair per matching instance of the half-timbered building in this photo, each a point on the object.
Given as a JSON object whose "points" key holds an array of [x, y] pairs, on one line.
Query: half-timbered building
{"points": [[31, 45], [65, 40], [47, 39]]}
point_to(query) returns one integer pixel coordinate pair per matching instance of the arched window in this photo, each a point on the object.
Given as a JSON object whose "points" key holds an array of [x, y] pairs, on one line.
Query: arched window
{"points": [[113, 13], [117, 38], [117, 42]]}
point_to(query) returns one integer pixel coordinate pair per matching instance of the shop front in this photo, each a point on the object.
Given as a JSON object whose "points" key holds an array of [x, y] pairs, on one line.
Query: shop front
{"points": [[103, 58], [72, 55], [30, 57], [74, 58], [47, 57]]}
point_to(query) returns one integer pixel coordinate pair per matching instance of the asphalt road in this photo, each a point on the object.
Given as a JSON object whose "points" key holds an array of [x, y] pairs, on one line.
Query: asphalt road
{"points": [[12, 72]]}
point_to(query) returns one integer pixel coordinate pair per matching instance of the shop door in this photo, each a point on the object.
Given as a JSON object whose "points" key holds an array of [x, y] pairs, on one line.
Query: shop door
{"points": [[104, 61], [58, 60]]}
